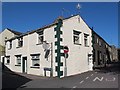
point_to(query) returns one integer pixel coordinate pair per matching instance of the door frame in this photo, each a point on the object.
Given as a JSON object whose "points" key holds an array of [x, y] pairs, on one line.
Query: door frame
{"points": [[24, 64]]}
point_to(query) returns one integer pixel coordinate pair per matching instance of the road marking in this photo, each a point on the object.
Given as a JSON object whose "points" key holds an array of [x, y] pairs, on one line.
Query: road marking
{"points": [[81, 81], [87, 77], [74, 86], [110, 79], [100, 79], [91, 74]]}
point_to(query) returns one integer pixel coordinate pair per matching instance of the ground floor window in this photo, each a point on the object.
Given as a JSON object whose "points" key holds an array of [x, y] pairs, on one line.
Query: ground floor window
{"points": [[7, 59], [18, 59], [35, 59]]}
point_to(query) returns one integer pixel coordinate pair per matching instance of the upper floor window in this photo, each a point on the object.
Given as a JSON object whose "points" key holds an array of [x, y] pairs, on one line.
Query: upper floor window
{"points": [[100, 44], [10, 44], [86, 39], [76, 37], [35, 59], [20, 42], [97, 40], [100, 55], [40, 37]]}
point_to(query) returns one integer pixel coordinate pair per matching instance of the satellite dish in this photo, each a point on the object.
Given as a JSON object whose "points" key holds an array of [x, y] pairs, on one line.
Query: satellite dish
{"points": [[45, 45]]}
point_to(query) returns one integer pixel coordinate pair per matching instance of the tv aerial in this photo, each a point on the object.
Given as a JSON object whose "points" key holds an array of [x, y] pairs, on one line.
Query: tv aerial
{"points": [[78, 8]]}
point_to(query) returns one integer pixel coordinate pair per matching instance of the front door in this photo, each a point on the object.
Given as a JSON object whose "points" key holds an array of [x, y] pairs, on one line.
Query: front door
{"points": [[24, 65], [90, 61]]}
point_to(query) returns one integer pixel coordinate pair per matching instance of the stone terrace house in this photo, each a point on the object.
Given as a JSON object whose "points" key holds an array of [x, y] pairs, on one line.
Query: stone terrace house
{"points": [[102, 53], [114, 53], [41, 52], [118, 50]]}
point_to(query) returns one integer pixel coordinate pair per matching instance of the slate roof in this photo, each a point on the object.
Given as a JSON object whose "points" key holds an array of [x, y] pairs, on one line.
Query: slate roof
{"points": [[54, 23], [15, 32]]}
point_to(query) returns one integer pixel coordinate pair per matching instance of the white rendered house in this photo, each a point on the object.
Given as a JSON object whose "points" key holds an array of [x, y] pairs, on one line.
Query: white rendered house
{"points": [[41, 52]]}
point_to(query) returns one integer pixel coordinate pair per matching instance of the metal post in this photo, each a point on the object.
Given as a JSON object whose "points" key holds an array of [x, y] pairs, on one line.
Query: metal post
{"points": [[65, 69], [51, 60]]}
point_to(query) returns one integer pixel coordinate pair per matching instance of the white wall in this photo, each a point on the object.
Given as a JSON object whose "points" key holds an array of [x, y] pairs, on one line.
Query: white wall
{"points": [[30, 47], [77, 61]]}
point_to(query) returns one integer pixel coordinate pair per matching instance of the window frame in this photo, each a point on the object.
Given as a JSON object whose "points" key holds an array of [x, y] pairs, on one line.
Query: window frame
{"points": [[36, 58], [86, 40], [16, 58], [20, 42], [40, 37], [9, 44], [7, 58], [100, 43], [78, 35]]}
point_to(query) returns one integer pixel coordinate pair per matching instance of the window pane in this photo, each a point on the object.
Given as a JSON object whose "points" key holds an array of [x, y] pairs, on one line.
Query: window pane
{"points": [[86, 39], [20, 42], [18, 59], [35, 59], [76, 37], [35, 62], [40, 39], [8, 59]]}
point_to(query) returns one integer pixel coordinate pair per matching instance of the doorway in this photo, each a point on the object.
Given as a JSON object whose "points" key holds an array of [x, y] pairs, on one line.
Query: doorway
{"points": [[24, 64], [3, 63], [90, 61]]}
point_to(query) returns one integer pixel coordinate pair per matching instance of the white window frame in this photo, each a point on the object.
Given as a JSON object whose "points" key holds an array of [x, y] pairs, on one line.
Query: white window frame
{"points": [[20, 42], [78, 35], [86, 40], [20, 58], [10, 44], [35, 58], [40, 37]]}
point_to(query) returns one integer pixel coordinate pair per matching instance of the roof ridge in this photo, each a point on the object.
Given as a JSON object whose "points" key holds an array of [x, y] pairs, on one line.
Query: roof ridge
{"points": [[46, 26]]}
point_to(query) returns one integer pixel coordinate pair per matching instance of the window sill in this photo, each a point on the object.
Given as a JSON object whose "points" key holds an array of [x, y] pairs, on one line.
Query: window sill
{"points": [[7, 64], [77, 44], [9, 48], [39, 43], [86, 46], [35, 67], [17, 65], [19, 47], [47, 69]]}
